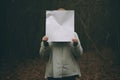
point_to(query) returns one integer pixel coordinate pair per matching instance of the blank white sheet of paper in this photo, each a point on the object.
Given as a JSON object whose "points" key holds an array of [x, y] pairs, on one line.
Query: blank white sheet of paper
{"points": [[60, 25]]}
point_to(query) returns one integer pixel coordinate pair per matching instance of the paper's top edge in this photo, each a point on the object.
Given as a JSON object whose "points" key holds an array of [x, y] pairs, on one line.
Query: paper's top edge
{"points": [[60, 10], [49, 11]]}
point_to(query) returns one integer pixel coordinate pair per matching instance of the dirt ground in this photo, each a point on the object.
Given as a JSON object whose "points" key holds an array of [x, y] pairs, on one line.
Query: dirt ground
{"points": [[93, 66]]}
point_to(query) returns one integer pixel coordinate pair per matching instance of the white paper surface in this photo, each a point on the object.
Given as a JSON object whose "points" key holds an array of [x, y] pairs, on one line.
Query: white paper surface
{"points": [[60, 25]]}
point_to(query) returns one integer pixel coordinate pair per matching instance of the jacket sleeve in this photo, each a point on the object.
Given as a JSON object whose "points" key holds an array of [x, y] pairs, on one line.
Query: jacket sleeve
{"points": [[77, 50], [44, 51]]}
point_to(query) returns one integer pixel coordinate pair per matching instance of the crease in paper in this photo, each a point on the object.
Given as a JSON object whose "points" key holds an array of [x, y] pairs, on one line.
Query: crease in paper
{"points": [[60, 25]]}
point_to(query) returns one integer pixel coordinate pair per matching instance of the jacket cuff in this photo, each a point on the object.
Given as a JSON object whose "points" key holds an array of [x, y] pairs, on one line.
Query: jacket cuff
{"points": [[45, 43]]}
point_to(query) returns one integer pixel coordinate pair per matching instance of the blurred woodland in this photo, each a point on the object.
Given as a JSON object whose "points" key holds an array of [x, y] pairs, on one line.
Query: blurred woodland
{"points": [[22, 26]]}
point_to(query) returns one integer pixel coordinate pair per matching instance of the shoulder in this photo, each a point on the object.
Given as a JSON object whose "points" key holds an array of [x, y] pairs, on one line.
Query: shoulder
{"points": [[75, 34]]}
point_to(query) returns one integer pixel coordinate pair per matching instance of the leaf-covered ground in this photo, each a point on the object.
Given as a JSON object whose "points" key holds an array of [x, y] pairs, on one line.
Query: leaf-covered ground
{"points": [[93, 66]]}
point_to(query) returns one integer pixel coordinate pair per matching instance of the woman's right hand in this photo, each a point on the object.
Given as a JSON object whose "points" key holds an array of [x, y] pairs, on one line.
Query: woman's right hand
{"points": [[45, 38]]}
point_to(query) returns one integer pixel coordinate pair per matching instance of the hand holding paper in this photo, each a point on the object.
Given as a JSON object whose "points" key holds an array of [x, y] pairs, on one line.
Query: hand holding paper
{"points": [[45, 38], [75, 41]]}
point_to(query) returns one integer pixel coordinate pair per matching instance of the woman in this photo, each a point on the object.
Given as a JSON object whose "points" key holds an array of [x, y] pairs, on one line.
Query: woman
{"points": [[61, 58]]}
